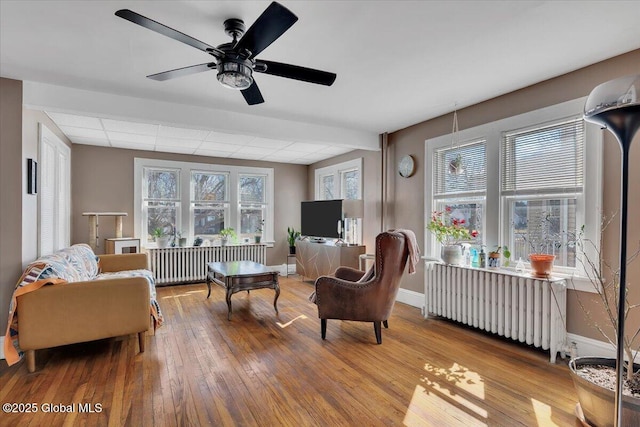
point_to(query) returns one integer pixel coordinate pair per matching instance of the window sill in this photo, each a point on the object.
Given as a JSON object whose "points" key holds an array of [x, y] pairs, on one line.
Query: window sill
{"points": [[574, 281]]}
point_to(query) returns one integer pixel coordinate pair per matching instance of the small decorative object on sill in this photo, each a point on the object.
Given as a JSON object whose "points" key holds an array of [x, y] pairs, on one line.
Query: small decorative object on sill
{"points": [[259, 228], [197, 241], [541, 264], [520, 266], [227, 234], [182, 242], [496, 254], [483, 257]]}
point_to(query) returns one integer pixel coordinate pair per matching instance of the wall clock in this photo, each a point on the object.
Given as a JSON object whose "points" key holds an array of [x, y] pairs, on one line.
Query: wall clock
{"points": [[406, 166]]}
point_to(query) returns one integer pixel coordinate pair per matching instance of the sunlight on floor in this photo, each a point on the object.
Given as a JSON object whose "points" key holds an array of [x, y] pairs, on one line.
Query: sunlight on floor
{"points": [[185, 294], [284, 325], [543, 413], [441, 401]]}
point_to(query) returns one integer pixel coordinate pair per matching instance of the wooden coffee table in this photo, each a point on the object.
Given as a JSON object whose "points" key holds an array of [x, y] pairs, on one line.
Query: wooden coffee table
{"points": [[239, 276]]}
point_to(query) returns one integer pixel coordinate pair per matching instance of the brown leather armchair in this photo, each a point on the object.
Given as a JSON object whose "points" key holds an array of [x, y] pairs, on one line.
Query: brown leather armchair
{"points": [[348, 295]]}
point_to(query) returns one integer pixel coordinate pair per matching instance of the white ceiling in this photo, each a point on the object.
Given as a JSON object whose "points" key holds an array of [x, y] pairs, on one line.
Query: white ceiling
{"points": [[398, 63]]}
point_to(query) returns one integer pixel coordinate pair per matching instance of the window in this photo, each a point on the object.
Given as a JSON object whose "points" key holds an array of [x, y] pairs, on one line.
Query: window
{"points": [[54, 186], [209, 203], [252, 202], [161, 200], [545, 164], [198, 199], [463, 193], [341, 181], [541, 186]]}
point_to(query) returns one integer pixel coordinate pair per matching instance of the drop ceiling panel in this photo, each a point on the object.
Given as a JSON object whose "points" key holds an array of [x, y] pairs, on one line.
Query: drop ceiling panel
{"points": [[132, 138], [72, 120], [177, 142], [183, 133], [71, 131], [130, 127]]}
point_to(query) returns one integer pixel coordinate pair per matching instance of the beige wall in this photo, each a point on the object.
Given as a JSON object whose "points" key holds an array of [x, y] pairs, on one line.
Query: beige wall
{"points": [[102, 180], [408, 194], [10, 191]]}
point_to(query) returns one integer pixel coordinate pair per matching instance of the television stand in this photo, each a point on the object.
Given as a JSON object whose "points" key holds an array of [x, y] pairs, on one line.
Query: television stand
{"points": [[314, 260]]}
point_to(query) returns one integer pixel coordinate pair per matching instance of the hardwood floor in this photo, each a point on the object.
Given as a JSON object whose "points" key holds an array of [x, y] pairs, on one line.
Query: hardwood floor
{"points": [[267, 370]]}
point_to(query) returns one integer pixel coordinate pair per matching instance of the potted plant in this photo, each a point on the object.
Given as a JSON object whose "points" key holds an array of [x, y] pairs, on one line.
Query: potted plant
{"points": [[450, 233], [292, 236], [494, 256], [161, 239], [542, 239], [259, 229], [226, 234], [594, 377], [456, 165]]}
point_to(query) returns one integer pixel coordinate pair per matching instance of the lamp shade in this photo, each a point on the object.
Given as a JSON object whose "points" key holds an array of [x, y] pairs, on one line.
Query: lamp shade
{"points": [[353, 208]]}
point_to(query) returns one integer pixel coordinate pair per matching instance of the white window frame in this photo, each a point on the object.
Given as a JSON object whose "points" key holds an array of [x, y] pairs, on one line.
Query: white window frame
{"points": [[494, 225], [338, 171], [431, 203], [186, 216], [56, 172]]}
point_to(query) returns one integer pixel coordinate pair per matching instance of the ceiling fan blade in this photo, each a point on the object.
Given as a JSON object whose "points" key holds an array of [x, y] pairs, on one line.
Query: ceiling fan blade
{"points": [[152, 25], [185, 71], [296, 72], [252, 94], [274, 21]]}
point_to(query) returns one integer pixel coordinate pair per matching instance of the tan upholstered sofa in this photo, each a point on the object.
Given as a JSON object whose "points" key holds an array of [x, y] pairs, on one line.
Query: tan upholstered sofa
{"points": [[72, 300]]}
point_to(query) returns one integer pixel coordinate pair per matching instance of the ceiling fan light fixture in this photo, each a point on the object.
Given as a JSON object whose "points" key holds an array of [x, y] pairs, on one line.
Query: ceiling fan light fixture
{"points": [[234, 75]]}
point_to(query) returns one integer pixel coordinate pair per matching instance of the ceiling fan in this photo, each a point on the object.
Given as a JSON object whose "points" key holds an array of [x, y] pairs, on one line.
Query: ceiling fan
{"points": [[236, 61]]}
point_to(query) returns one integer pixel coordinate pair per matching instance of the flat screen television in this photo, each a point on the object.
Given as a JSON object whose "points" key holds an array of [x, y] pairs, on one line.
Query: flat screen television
{"points": [[320, 218]]}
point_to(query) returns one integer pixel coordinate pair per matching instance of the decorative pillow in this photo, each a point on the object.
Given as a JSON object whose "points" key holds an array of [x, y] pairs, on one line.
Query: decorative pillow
{"points": [[82, 259]]}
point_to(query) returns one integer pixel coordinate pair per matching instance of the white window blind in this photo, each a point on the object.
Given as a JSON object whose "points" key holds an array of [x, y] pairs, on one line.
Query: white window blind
{"points": [[473, 181], [546, 159]]}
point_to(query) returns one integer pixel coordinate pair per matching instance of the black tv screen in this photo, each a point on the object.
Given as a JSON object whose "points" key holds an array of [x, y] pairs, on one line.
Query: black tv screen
{"points": [[320, 218]]}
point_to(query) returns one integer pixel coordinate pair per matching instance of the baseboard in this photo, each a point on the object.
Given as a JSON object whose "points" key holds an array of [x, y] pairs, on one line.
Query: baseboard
{"points": [[1, 348], [412, 298], [590, 347]]}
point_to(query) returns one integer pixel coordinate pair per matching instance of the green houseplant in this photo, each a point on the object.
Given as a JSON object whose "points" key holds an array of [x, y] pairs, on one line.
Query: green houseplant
{"points": [[292, 236], [160, 237], [450, 233], [494, 256], [259, 229], [226, 234]]}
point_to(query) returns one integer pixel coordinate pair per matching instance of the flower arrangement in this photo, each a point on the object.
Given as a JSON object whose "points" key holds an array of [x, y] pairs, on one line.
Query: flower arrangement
{"points": [[449, 231]]}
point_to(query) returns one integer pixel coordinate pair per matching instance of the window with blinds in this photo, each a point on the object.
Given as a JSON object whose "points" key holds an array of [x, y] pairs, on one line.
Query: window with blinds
{"points": [[541, 185], [545, 159], [460, 183], [470, 180]]}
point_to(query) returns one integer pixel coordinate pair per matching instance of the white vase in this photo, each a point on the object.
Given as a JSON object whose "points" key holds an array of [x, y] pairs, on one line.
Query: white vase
{"points": [[163, 241], [452, 254]]}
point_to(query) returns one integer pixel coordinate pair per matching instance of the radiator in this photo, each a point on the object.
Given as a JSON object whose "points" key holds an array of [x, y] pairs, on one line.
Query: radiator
{"points": [[528, 310], [183, 265]]}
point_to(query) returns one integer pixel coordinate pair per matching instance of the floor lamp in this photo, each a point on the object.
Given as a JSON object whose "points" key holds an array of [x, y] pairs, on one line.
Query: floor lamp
{"points": [[615, 105]]}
